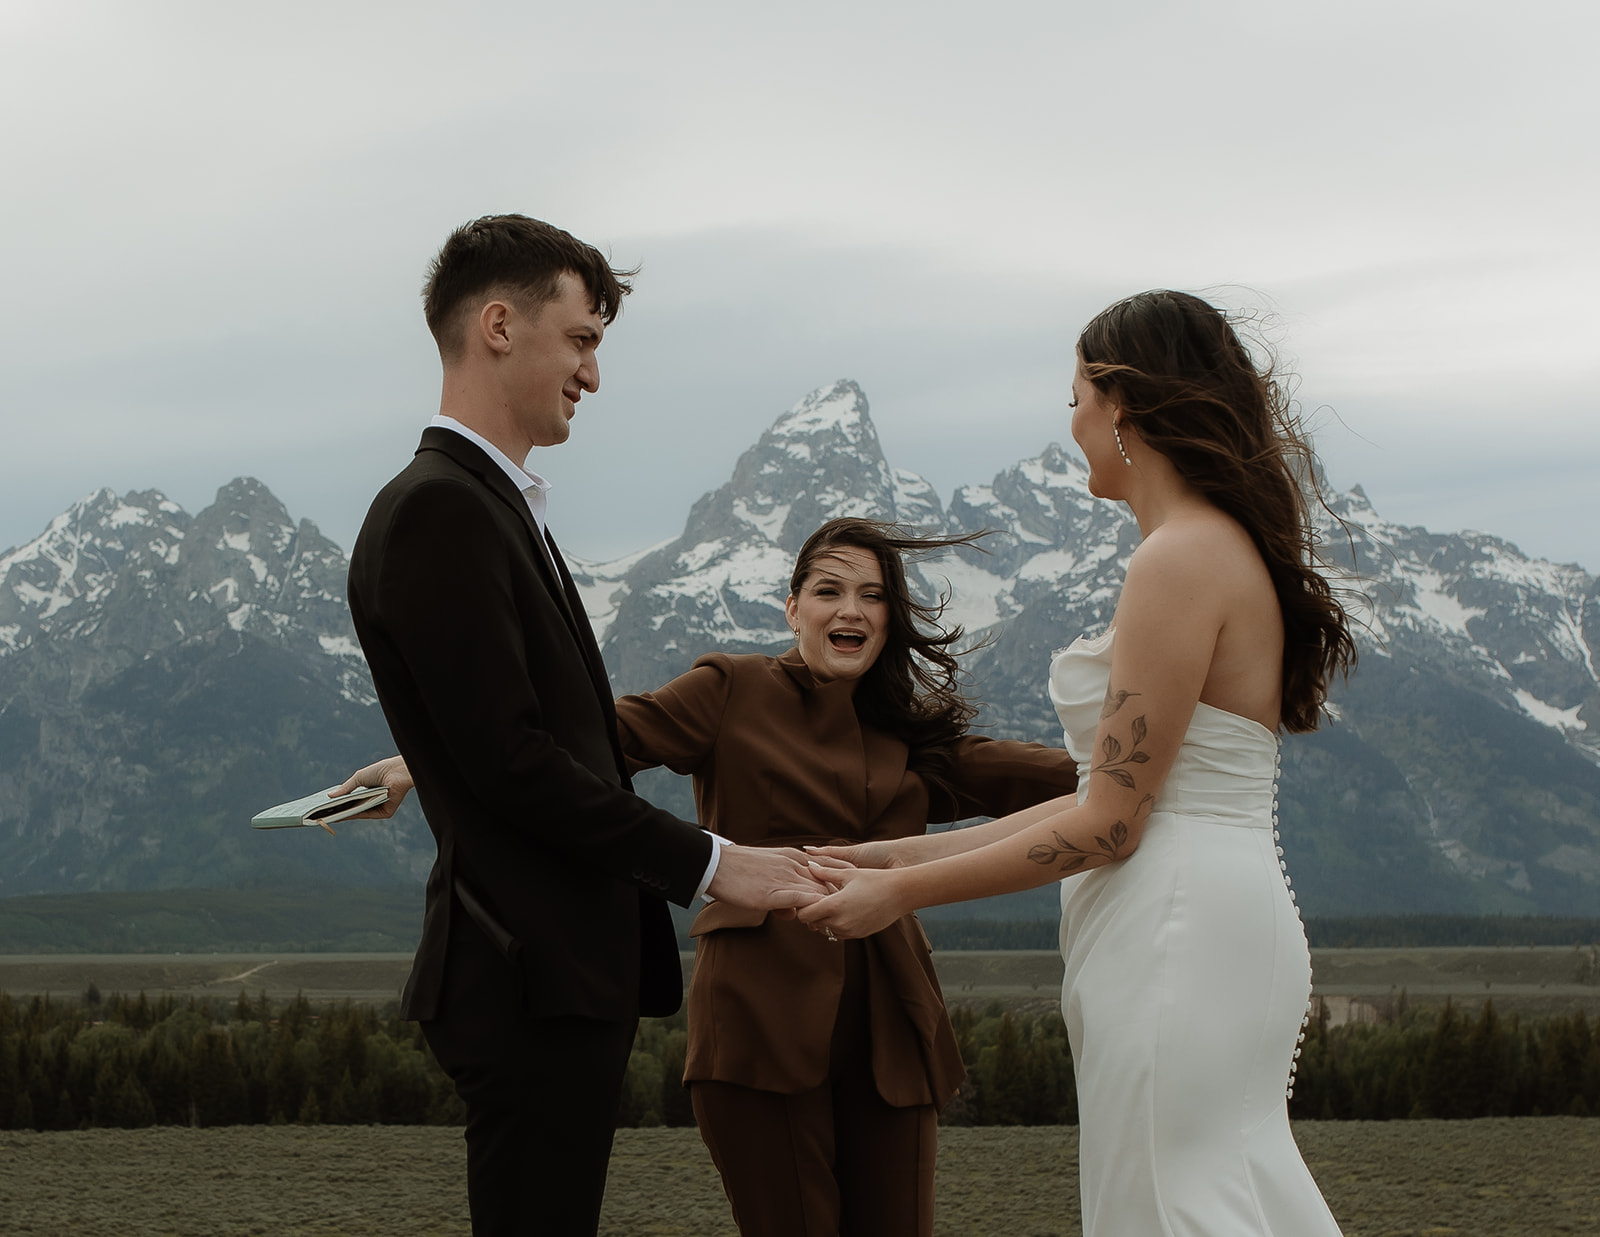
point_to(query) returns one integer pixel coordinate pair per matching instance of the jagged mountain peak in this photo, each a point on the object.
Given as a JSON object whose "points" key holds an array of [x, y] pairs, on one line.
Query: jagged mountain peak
{"points": [[60, 580], [124, 577], [820, 459], [724, 580], [838, 409]]}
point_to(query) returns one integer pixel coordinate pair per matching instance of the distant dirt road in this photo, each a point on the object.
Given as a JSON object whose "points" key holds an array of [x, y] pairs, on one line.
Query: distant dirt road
{"points": [[1531, 1177]]}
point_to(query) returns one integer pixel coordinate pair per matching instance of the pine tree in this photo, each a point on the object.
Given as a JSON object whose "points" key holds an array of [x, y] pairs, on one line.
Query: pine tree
{"points": [[286, 1079], [11, 1092], [66, 1116], [217, 1093], [1006, 1077], [1444, 1090], [344, 1105], [1488, 1081]]}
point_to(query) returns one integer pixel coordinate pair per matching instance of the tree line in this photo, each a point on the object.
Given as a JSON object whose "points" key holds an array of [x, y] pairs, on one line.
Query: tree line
{"points": [[126, 1062], [1323, 932]]}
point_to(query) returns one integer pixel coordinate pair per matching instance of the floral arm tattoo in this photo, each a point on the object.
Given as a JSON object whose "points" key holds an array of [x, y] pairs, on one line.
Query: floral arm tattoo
{"points": [[1114, 764]]}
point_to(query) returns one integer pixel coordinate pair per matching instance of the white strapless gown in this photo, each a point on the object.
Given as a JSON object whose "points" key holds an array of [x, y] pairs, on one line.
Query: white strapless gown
{"points": [[1187, 981]]}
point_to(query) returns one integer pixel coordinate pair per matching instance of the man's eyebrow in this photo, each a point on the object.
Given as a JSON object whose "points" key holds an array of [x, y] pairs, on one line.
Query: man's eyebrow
{"points": [[586, 331]]}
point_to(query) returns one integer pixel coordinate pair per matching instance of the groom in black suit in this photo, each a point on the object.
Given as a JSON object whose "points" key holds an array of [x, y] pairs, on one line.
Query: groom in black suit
{"points": [[545, 934]]}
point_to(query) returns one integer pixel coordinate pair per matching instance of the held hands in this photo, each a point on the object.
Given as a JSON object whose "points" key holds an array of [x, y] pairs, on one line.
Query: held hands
{"points": [[865, 900], [391, 774], [776, 879], [859, 855]]}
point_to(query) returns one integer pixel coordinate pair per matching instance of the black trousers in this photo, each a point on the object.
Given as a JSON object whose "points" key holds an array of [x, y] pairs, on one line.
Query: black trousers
{"points": [[541, 1093]]}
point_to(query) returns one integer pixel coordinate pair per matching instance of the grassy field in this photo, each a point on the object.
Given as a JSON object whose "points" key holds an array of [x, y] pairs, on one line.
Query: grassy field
{"points": [[1534, 981], [1533, 1177]]}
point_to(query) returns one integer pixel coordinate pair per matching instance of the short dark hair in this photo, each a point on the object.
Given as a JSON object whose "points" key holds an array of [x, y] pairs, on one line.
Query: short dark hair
{"points": [[523, 257]]}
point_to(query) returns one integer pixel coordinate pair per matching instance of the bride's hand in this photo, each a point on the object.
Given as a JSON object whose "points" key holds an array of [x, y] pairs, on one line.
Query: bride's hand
{"points": [[391, 774], [866, 901], [860, 855]]}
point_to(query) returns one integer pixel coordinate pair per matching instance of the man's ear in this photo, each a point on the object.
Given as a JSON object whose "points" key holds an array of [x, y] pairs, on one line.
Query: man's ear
{"points": [[493, 325]]}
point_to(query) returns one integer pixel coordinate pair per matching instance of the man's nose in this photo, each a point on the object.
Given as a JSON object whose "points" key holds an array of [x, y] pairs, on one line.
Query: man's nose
{"points": [[589, 375]]}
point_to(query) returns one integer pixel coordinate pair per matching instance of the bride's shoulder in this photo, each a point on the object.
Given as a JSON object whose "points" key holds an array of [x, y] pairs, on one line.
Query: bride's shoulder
{"points": [[1188, 541], [1201, 560]]}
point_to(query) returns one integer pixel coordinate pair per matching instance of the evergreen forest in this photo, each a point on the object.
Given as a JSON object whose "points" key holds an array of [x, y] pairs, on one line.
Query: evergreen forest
{"points": [[129, 1061]]}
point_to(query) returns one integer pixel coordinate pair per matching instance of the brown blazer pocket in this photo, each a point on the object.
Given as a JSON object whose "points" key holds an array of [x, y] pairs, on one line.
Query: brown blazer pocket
{"points": [[721, 915]]}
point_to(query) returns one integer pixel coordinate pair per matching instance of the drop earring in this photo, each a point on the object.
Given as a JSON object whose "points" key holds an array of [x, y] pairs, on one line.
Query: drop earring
{"points": [[1116, 430]]}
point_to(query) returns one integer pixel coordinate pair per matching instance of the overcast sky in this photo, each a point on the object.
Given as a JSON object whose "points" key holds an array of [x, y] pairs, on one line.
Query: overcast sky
{"points": [[216, 220]]}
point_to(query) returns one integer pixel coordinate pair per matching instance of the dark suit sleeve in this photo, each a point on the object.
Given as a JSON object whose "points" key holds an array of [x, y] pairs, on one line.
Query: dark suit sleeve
{"points": [[446, 601], [677, 725], [995, 777]]}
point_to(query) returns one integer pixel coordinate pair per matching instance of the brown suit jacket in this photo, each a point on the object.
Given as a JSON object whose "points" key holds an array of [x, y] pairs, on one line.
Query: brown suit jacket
{"points": [[780, 760]]}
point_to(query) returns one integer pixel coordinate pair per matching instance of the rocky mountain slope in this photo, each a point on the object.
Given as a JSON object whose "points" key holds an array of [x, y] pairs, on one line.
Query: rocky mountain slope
{"points": [[161, 675], [1463, 774], [164, 676]]}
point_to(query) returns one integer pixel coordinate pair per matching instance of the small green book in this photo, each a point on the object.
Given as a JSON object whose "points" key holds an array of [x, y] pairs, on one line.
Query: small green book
{"points": [[318, 809]]}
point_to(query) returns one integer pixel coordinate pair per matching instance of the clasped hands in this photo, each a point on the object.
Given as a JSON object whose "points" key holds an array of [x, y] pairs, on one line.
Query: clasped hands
{"points": [[842, 892]]}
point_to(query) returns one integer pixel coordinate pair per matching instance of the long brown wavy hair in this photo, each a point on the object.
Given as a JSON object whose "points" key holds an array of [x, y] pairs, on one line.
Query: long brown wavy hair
{"points": [[912, 691], [1181, 375]]}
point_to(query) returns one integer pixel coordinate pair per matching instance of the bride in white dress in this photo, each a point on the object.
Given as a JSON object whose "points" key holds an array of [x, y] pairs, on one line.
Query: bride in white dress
{"points": [[1187, 972]]}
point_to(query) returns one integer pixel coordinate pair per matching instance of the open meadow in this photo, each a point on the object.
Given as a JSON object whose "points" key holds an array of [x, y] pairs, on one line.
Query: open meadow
{"points": [[1533, 1177], [1495, 1177]]}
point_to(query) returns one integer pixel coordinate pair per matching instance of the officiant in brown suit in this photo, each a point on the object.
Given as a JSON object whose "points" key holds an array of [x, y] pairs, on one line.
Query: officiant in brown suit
{"points": [[545, 932]]}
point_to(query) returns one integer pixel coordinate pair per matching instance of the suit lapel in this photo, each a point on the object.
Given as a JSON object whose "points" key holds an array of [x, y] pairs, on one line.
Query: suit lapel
{"points": [[585, 633], [558, 583]]}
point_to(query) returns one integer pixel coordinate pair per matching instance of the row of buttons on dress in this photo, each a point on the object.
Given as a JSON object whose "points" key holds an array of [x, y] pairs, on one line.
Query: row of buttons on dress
{"points": [[1305, 1019]]}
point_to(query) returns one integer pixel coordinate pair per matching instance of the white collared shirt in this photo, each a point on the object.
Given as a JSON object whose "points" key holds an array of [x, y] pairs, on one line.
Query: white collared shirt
{"points": [[534, 489], [530, 485]]}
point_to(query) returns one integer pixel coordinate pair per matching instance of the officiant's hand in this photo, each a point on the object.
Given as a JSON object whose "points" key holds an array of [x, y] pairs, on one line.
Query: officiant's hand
{"points": [[865, 901], [391, 774], [763, 878]]}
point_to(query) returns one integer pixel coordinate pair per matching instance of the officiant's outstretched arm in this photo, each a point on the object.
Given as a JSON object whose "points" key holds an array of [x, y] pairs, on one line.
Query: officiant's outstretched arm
{"points": [[545, 932]]}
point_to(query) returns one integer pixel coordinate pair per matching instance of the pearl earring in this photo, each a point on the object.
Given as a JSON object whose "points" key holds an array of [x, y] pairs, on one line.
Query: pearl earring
{"points": [[1116, 430]]}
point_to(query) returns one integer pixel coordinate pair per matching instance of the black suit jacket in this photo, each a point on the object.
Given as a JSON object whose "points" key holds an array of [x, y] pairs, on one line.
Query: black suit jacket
{"points": [[493, 687]]}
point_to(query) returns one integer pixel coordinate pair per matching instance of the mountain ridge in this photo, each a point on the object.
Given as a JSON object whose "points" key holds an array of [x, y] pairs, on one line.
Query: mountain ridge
{"points": [[163, 675]]}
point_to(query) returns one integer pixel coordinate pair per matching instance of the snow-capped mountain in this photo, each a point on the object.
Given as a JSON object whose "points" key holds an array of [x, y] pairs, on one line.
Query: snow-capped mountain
{"points": [[161, 676], [1464, 772], [721, 584]]}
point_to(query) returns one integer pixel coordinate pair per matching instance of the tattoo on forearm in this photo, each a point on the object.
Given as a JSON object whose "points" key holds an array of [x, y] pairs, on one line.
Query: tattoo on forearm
{"points": [[1073, 857], [1114, 701], [1113, 763]]}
